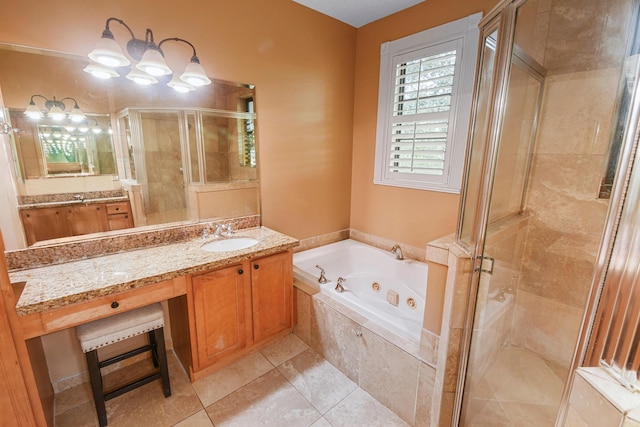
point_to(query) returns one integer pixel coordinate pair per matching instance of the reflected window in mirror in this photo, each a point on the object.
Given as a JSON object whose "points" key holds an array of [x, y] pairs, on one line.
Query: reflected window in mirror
{"points": [[247, 144], [47, 149]]}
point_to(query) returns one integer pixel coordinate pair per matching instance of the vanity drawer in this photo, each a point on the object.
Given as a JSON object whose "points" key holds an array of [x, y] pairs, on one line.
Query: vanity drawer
{"points": [[117, 208], [38, 324]]}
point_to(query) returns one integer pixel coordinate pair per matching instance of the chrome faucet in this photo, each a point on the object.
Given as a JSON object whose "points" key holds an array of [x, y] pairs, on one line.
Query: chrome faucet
{"points": [[339, 288], [322, 278], [397, 251], [222, 229]]}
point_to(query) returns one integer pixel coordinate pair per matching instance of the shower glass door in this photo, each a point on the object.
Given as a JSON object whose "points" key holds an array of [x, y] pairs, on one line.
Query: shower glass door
{"points": [[534, 220], [165, 198]]}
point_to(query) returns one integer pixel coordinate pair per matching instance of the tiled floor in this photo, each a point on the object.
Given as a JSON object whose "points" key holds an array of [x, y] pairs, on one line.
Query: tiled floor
{"points": [[519, 389], [285, 384]]}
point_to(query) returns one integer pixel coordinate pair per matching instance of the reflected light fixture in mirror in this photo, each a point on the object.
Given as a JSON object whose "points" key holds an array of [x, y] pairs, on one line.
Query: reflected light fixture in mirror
{"points": [[151, 64], [55, 109]]}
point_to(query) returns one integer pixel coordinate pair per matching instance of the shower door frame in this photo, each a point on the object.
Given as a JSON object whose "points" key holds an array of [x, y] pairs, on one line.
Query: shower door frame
{"points": [[502, 18]]}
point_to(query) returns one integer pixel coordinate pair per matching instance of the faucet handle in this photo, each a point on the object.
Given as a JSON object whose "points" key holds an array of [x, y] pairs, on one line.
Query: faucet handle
{"points": [[230, 228], [322, 278]]}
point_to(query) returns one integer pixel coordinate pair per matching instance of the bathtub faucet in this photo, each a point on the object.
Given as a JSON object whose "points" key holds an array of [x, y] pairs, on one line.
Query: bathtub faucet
{"points": [[339, 287], [397, 251], [322, 278]]}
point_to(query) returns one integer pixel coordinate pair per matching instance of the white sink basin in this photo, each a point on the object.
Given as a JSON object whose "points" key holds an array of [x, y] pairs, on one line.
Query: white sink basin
{"points": [[231, 244]]}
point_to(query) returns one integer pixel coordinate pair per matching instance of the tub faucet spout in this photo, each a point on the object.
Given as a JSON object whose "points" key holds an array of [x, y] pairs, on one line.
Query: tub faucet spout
{"points": [[397, 251], [339, 288], [322, 278]]}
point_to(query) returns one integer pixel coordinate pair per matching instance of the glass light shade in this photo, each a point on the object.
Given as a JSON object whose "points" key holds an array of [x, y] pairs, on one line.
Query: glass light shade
{"points": [[141, 78], [96, 129], [83, 129], [153, 63], [194, 75], [33, 112], [56, 113], [100, 71], [109, 53], [76, 115], [180, 86]]}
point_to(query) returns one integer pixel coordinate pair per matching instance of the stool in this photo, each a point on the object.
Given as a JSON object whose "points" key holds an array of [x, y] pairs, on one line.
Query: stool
{"points": [[100, 333]]}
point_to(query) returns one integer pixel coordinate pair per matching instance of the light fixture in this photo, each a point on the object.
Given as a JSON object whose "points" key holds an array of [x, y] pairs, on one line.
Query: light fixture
{"points": [[180, 86], [55, 109], [194, 73], [141, 77], [101, 71], [150, 60]]}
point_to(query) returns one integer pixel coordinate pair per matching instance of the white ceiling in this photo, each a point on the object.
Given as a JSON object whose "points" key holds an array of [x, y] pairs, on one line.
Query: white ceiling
{"points": [[358, 12]]}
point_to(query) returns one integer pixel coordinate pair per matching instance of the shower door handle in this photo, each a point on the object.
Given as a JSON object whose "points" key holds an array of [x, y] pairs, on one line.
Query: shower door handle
{"points": [[484, 264]]}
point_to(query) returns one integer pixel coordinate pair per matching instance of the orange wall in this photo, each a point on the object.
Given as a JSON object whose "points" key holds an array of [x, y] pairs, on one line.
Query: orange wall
{"points": [[414, 217], [317, 83], [300, 61]]}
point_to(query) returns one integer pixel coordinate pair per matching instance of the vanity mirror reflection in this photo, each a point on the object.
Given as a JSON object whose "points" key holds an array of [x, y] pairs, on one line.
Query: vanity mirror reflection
{"points": [[173, 156]]}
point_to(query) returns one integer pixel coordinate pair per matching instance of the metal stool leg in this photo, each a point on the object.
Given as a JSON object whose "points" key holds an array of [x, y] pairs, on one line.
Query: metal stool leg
{"points": [[96, 386], [162, 360], [154, 348]]}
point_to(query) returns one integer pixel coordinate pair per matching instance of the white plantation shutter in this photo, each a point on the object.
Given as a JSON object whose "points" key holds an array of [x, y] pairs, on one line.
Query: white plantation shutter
{"points": [[424, 107]]}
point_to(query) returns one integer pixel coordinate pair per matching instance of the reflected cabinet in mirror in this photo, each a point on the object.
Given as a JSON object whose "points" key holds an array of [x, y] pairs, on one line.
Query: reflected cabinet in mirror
{"points": [[161, 155]]}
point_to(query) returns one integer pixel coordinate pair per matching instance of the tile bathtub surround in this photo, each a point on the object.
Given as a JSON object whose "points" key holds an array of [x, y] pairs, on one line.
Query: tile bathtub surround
{"points": [[411, 252], [368, 356], [325, 239], [284, 384], [103, 244], [56, 286]]}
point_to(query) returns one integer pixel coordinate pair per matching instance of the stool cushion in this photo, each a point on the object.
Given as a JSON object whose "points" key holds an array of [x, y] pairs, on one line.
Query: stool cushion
{"points": [[118, 327]]}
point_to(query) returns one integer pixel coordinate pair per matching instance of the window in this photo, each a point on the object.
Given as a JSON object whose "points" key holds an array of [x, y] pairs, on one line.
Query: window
{"points": [[424, 105]]}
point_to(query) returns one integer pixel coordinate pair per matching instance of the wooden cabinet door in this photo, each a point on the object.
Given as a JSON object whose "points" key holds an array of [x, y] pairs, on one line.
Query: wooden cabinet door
{"points": [[119, 221], [222, 311], [86, 219], [119, 216], [272, 294], [44, 224]]}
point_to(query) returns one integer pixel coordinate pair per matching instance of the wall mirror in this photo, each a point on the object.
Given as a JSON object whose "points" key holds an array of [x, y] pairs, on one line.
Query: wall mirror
{"points": [[176, 156]]}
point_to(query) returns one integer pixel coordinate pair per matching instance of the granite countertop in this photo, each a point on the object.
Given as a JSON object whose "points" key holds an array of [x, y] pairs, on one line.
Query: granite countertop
{"points": [[73, 202], [56, 286]]}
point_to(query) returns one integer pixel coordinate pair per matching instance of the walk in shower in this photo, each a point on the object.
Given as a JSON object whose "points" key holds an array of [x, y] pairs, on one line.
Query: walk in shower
{"points": [[548, 112], [193, 163]]}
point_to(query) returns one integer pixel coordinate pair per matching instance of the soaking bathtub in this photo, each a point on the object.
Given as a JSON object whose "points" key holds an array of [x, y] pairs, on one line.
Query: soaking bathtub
{"points": [[385, 290]]}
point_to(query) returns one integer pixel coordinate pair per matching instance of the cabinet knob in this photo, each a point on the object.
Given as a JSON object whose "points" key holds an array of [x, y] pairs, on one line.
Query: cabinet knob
{"points": [[256, 266], [241, 271], [117, 209], [115, 304]]}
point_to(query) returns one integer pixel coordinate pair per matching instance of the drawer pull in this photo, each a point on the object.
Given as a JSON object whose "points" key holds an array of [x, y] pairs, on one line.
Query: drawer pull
{"points": [[241, 271], [115, 304], [256, 266]]}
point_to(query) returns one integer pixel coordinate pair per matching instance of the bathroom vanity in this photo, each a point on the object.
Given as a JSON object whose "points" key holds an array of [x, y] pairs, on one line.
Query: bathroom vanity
{"points": [[65, 219], [222, 304]]}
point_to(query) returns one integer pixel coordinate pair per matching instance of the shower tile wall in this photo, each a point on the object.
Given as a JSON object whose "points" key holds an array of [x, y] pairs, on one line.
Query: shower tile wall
{"points": [[566, 217], [163, 164]]}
